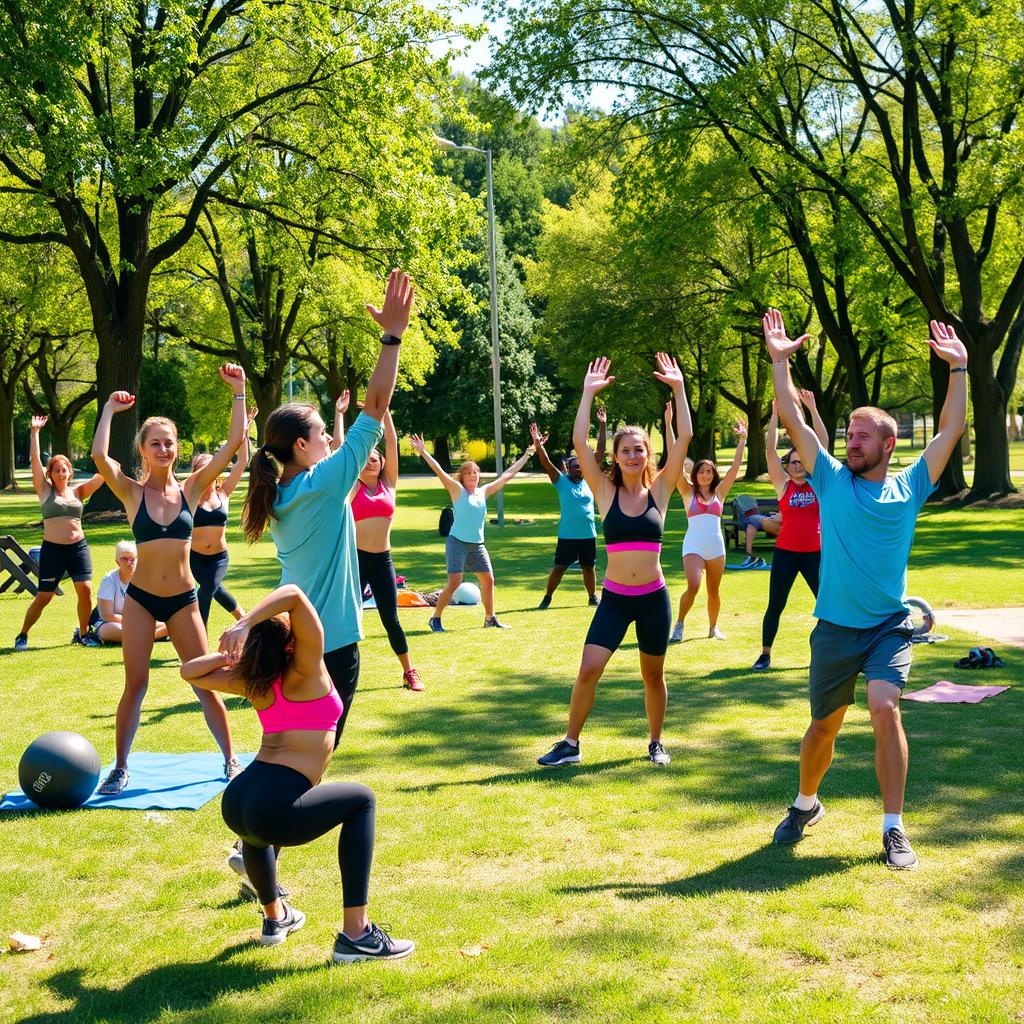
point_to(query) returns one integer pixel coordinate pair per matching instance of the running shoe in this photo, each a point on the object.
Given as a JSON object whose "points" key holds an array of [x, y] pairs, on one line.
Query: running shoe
{"points": [[114, 783], [232, 768], [763, 661], [435, 625], [493, 623], [791, 828], [411, 681], [21, 642], [593, 602], [714, 633], [758, 563], [545, 603], [275, 932], [677, 634], [76, 637], [374, 944], [90, 640], [657, 753], [563, 752], [246, 890], [899, 855], [747, 562]]}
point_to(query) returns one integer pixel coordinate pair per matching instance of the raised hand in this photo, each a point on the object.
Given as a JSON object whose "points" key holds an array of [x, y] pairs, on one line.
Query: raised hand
{"points": [[946, 345], [38, 422], [232, 641], [250, 418], [741, 429], [597, 378], [531, 450], [538, 438], [807, 397], [670, 411], [120, 401], [602, 416], [234, 376], [668, 371], [393, 316], [780, 346], [417, 443], [341, 402]]}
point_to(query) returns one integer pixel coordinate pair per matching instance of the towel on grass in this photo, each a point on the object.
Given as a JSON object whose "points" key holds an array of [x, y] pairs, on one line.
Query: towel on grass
{"points": [[945, 692]]}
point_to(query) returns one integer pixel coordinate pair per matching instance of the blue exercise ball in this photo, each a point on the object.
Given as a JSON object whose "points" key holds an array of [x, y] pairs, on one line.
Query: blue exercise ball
{"points": [[466, 593], [59, 770]]}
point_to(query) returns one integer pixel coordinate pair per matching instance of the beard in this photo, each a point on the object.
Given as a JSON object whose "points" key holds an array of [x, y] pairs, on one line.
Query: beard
{"points": [[864, 462]]}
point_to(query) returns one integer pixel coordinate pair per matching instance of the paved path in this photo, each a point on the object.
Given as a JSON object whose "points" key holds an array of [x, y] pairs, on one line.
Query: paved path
{"points": [[1005, 625]]}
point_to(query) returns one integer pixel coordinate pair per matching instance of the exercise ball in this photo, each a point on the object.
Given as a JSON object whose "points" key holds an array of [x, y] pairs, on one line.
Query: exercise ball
{"points": [[59, 770], [927, 623], [466, 593]]}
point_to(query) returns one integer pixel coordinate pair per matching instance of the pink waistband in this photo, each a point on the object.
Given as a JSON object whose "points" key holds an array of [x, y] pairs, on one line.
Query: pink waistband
{"points": [[639, 590], [634, 545]]}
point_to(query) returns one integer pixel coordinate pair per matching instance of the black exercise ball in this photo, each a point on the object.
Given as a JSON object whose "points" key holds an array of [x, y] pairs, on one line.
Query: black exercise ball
{"points": [[59, 770]]}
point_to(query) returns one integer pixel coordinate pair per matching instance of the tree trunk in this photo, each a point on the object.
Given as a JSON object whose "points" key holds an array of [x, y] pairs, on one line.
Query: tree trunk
{"points": [[952, 481], [60, 436], [7, 438], [442, 452], [757, 458], [992, 448], [266, 392]]}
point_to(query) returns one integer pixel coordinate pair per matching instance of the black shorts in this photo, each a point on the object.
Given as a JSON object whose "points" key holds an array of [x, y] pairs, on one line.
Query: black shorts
{"points": [[57, 559], [576, 549], [652, 614]]}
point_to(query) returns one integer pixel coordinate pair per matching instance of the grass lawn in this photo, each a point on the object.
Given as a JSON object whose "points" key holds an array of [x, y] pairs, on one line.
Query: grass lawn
{"points": [[612, 892]]}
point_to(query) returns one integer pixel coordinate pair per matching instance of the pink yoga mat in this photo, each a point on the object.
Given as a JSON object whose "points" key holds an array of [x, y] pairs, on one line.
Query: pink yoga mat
{"points": [[945, 692]]}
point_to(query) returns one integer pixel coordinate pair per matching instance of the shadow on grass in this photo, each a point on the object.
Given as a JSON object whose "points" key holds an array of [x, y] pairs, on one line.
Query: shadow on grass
{"points": [[564, 775]]}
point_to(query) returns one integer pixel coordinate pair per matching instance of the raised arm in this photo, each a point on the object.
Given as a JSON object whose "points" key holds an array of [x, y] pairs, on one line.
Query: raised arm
{"points": [[776, 473], [242, 459], [39, 481], [780, 347], [596, 380], [668, 372], [538, 440], [87, 488], [737, 460], [451, 485], [393, 319], [817, 423], [390, 472], [953, 418], [340, 407], [602, 435], [496, 485], [234, 377], [110, 469]]}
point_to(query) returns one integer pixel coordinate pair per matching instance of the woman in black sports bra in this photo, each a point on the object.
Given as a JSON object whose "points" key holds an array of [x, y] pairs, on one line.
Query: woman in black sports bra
{"points": [[162, 590], [632, 503]]}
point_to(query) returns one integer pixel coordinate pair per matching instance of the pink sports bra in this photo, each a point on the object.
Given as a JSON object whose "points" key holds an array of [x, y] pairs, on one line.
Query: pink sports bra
{"points": [[380, 505], [698, 507], [320, 715]]}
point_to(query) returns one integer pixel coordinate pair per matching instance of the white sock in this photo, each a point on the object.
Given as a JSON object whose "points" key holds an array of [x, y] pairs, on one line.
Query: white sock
{"points": [[891, 821], [805, 803], [572, 743]]}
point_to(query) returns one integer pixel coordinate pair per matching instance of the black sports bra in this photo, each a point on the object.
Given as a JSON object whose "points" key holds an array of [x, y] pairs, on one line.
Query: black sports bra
{"points": [[211, 516], [179, 528], [619, 528]]}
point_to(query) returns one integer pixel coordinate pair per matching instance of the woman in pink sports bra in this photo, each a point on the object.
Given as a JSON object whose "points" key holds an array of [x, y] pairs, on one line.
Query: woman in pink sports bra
{"points": [[704, 494], [274, 657], [373, 508]]}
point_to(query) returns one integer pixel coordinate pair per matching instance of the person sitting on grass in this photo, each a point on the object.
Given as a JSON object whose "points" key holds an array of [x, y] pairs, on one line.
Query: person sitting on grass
{"points": [[751, 520], [274, 658], [105, 623]]}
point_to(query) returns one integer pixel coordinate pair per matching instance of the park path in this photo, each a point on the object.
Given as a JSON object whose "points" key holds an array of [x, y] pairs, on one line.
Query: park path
{"points": [[1005, 625]]}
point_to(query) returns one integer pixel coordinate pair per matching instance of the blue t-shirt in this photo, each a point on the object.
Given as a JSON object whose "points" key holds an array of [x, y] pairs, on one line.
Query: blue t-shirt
{"points": [[867, 530], [316, 538], [470, 513], [576, 502]]}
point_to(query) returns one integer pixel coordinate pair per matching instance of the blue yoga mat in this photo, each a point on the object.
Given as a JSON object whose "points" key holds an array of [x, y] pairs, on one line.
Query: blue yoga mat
{"points": [[750, 568], [168, 782]]}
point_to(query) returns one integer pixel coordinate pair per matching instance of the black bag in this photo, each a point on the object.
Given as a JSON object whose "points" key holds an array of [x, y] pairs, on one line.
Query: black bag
{"points": [[444, 524]]}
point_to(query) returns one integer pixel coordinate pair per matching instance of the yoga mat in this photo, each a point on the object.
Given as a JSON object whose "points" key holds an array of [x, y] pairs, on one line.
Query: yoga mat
{"points": [[750, 568], [945, 692], [170, 782]]}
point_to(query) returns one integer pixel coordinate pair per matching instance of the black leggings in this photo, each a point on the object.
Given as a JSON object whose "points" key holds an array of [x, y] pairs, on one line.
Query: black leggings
{"points": [[270, 805], [786, 566], [209, 571], [652, 614], [378, 571], [343, 667]]}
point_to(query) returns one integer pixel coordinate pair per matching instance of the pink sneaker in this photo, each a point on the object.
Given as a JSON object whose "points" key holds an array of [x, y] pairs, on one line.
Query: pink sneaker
{"points": [[411, 681]]}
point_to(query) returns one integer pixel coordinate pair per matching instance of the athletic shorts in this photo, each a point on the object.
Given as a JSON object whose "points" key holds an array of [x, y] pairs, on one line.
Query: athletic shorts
{"points": [[652, 614], [462, 556], [839, 654], [57, 559], [754, 519], [576, 549]]}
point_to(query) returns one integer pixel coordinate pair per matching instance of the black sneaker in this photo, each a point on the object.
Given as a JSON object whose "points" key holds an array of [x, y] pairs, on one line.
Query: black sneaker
{"points": [[90, 640], [493, 623], [763, 661], [21, 642], [563, 752], [275, 932], [899, 855], [76, 637], [545, 602], [376, 944], [435, 625], [593, 602], [791, 828], [657, 753], [114, 783]]}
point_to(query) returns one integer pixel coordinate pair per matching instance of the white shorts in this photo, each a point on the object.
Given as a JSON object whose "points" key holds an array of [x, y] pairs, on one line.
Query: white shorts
{"points": [[704, 537]]}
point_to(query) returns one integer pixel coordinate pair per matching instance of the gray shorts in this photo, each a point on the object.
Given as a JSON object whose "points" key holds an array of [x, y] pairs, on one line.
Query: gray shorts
{"points": [[462, 556], [839, 654]]}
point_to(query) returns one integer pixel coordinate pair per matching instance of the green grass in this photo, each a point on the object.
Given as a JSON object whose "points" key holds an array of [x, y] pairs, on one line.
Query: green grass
{"points": [[610, 893]]}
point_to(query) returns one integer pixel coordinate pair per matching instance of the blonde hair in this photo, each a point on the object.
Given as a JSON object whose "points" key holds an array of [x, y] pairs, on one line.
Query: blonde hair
{"points": [[879, 417], [125, 547], [465, 468], [650, 470]]}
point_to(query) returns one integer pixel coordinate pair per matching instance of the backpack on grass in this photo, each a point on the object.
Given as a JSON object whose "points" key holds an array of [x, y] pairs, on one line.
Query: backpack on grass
{"points": [[447, 518]]}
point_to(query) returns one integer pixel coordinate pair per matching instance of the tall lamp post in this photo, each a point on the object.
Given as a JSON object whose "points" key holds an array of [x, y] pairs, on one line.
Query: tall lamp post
{"points": [[453, 147]]}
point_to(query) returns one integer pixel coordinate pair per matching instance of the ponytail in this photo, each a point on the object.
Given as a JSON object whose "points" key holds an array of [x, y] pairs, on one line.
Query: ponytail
{"points": [[285, 425]]}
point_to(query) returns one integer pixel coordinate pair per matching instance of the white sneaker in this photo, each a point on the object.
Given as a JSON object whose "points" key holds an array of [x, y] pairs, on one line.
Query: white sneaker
{"points": [[714, 633], [677, 634]]}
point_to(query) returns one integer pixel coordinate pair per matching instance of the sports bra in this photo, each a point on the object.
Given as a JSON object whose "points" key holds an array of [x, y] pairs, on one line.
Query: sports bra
{"points": [[55, 506], [379, 505], [699, 507], [320, 715], [212, 516], [144, 528], [632, 533]]}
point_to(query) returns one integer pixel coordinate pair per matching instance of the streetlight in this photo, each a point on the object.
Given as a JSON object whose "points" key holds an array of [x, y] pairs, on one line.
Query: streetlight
{"points": [[453, 147]]}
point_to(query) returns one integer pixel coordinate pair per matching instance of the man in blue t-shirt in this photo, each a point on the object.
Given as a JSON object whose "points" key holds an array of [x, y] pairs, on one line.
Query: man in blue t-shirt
{"points": [[867, 529], [577, 535]]}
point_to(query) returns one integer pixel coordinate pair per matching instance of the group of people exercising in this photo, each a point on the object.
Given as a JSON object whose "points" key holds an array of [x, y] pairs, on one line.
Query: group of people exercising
{"points": [[328, 505]]}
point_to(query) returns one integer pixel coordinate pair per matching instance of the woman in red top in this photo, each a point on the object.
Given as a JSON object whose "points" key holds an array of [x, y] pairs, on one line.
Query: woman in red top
{"points": [[798, 546]]}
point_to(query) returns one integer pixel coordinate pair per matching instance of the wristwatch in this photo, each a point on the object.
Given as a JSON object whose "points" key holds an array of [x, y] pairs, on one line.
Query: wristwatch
{"points": [[390, 339]]}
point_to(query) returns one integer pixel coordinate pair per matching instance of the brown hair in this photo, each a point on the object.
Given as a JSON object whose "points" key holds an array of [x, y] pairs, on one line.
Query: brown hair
{"points": [[650, 470], [464, 468], [879, 417], [199, 460], [56, 460], [285, 425], [715, 478], [264, 657]]}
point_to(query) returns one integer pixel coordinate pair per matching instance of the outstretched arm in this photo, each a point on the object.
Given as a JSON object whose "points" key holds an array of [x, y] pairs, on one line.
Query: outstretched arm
{"points": [[390, 472], [340, 406], [87, 488], [496, 485], [39, 481], [780, 347], [596, 380], [242, 459], [817, 423], [451, 485], [234, 377], [110, 469], [776, 473], [668, 372], [953, 418], [538, 440], [393, 319], [737, 460], [602, 435]]}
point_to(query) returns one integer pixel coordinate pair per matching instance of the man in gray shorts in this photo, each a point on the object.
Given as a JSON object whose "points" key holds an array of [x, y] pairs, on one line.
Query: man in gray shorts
{"points": [[867, 529]]}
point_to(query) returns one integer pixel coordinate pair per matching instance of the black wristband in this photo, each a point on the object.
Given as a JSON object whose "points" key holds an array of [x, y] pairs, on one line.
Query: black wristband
{"points": [[390, 339], [958, 369]]}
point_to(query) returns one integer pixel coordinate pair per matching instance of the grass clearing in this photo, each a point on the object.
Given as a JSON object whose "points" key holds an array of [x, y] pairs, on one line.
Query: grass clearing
{"points": [[613, 892]]}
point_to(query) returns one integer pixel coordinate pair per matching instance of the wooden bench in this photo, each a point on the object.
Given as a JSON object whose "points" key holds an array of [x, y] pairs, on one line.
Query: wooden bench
{"points": [[736, 533], [19, 567]]}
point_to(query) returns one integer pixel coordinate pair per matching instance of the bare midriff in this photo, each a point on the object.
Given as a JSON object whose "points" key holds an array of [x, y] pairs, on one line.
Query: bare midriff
{"points": [[63, 530], [162, 568], [303, 750], [210, 540], [634, 568], [374, 535]]}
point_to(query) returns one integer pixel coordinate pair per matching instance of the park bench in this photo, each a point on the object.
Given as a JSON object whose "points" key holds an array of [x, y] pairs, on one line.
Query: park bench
{"points": [[18, 567], [736, 534]]}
